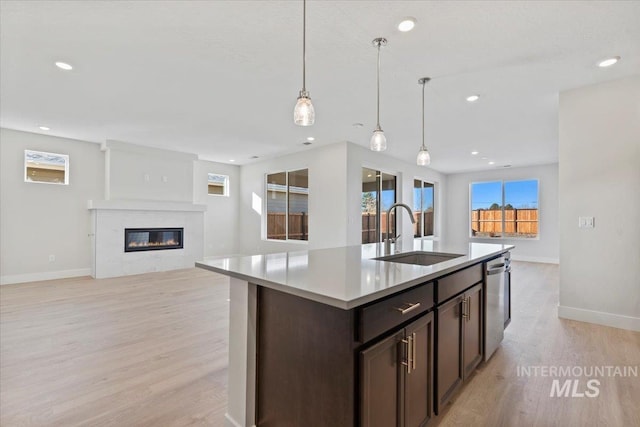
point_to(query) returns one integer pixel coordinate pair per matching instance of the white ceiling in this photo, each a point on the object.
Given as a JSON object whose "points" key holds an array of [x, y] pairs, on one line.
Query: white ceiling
{"points": [[220, 78]]}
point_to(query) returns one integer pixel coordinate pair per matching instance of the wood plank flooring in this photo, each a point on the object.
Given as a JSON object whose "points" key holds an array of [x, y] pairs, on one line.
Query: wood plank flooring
{"points": [[151, 350], [146, 350]]}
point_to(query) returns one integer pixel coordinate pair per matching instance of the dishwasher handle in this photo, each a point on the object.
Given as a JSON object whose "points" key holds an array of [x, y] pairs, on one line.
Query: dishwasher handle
{"points": [[496, 269]]}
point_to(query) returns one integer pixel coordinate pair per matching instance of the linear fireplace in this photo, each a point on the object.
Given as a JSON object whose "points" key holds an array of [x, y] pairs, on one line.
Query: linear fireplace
{"points": [[152, 239]]}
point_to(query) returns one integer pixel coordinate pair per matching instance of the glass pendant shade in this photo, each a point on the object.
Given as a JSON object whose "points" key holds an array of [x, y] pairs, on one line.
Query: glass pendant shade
{"points": [[424, 158], [378, 141], [303, 113]]}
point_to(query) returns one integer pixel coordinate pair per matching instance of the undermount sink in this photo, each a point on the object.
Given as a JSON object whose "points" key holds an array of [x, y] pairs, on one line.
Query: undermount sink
{"points": [[419, 258]]}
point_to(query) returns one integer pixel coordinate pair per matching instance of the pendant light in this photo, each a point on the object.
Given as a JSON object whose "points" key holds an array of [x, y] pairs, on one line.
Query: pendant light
{"points": [[424, 158], [303, 113], [378, 140]]}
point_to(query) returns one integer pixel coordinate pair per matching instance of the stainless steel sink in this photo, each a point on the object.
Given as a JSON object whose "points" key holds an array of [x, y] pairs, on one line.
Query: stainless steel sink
{"points": [[419, 258]]}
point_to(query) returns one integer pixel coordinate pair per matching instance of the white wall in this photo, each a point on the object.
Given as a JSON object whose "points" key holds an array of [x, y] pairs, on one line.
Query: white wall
{"points": [[327, 200], [335, 195], [38, 220], [544, 249], [359, 157], [134, 172], [222, 219], [600, 177]]}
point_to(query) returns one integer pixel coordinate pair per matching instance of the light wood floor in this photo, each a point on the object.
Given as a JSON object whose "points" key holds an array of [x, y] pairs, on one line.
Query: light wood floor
{"points": [[151, 350], [146, 350]]}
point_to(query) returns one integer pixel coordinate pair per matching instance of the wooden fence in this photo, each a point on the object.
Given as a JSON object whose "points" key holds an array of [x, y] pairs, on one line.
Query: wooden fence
{"points": [[369, 225], [277, 226], [517, 223]]}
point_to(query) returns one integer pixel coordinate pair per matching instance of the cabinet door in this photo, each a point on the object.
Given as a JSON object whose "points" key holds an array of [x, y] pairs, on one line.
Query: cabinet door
{"points": [[381, 382], [472, 346], [449, 351], [418, 396]]}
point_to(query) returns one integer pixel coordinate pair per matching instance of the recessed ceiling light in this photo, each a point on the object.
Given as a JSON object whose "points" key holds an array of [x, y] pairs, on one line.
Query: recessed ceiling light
{"points": [[608, 62], [473, 98], [357, 125], [473, 153], [44, 128], [253, 157], [64, 66], [407, 24], [310, 138], [306, 143], [231, 160], [492, 163], [485, 158], [506, 166]]}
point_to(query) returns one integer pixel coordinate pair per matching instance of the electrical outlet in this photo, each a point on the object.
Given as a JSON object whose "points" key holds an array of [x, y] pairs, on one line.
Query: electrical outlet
{"points": [[52, 258]]}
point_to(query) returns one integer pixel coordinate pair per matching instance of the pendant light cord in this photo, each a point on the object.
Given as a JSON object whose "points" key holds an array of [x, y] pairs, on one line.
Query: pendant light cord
{"points": [[423, 85], [304, 45], [378, 76]]}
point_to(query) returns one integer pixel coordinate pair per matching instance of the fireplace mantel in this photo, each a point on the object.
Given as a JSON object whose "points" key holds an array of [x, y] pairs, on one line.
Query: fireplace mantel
{"points": [[144, 205], [110, 219]]}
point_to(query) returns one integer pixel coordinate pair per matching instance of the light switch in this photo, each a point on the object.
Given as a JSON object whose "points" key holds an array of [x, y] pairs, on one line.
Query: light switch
{"points": [[586, 222]]}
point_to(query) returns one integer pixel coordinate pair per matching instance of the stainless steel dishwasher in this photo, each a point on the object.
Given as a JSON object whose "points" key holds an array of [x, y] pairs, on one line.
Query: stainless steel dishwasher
{"points": [[494, 305]]}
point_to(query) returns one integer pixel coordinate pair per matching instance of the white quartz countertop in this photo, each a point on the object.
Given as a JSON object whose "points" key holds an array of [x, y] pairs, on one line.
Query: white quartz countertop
{"points": [[347, 277]]}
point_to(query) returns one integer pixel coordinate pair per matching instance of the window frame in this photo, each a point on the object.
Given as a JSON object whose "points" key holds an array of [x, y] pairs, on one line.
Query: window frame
{"points": [[502, 236], [286, 211], [225, 186], [424, 181], [380, 237], [66, 168]]}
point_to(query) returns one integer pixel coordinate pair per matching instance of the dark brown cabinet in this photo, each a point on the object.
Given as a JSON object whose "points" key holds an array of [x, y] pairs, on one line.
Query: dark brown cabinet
{"points": [[397, 377], [459, 338]]}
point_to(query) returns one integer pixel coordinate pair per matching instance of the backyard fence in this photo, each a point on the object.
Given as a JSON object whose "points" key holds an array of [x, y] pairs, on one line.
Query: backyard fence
{"points": [[369, 225], [277, 226], [517, 223]]}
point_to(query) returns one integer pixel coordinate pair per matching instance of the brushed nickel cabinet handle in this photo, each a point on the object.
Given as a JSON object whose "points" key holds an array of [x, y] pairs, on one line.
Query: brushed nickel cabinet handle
{"points": [[413, 350], [407, 309], [408, 362], [468, 308], [464, 308]]}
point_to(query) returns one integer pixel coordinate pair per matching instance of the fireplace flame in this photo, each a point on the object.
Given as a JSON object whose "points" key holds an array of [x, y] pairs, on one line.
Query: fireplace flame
{"points": [[170, 242]]}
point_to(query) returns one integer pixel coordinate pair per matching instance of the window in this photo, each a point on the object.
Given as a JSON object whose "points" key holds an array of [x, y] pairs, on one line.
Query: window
{"points": [[378, 194], [506, 209], [423, 208], [47, 168], [218, 185], [287, 201]]}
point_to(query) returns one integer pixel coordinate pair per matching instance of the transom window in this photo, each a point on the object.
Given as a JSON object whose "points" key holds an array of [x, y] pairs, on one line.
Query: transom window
{"points": [[218, 185], [46, 168]]}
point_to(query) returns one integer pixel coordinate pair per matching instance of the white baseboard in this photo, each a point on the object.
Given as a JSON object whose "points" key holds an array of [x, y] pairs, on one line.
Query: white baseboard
{"points": [[545, 260], [47, 275], [230, 422], [600, 318]]}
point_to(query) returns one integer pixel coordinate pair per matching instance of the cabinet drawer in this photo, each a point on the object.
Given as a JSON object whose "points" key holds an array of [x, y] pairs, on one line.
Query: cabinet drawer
{"points": [[385, 315], [457, 282]]}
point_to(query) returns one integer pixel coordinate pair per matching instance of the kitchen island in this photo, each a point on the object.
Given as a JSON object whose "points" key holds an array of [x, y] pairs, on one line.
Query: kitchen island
{"points": [[335, 337]]}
